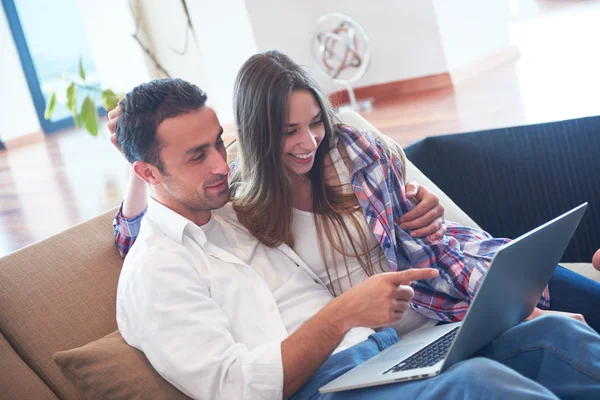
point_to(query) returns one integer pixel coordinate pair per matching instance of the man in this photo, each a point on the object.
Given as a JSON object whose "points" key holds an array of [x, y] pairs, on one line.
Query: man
{"points": [[220, 315]]}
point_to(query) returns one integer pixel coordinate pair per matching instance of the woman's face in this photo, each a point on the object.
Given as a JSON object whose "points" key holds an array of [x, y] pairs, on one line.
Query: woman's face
{"points": [[303, 133]]}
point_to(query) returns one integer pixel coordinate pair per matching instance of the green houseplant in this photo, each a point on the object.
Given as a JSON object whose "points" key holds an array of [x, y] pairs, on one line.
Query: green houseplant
{"points": [[87, 114]]}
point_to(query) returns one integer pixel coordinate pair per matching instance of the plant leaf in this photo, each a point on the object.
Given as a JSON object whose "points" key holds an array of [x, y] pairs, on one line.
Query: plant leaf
{"points": [[72, 104], [81, 70], [89, 116], [50, 106], [109, 100], [71, 98]]}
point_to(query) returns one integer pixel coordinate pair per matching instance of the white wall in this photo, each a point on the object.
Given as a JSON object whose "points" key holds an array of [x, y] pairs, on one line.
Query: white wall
{"points": [[166, 23], [405, 42], [409, 39], [534, 8], [108, 25], [17, 112], [224, 40], [472, 29]]}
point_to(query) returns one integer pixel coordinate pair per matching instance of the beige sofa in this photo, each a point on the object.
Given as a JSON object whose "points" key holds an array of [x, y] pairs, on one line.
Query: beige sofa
{"points": [[59, 294]]}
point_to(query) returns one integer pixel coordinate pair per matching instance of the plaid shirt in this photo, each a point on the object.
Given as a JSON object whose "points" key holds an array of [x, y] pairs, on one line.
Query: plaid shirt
{"points": [[462, 256], [126, 230]]}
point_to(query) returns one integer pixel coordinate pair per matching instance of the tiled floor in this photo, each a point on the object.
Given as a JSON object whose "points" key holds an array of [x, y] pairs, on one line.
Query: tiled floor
{"points": [[49, 186]]}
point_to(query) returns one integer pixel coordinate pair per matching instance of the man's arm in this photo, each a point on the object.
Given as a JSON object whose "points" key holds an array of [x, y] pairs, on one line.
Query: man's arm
{"points": [[166, 310], [379, 301], [188, 337]]}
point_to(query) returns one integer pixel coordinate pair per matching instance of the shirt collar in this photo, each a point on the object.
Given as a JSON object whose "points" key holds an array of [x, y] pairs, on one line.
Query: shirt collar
{"points": [[361, 148], [172, 224]]}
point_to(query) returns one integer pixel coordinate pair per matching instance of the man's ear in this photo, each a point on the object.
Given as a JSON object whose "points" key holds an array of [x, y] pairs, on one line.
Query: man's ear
{"points": [[147, 172]]}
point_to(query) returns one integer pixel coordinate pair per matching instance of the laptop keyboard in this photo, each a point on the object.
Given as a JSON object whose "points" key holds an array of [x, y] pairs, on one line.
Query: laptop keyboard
{"points": [[427, 356]]}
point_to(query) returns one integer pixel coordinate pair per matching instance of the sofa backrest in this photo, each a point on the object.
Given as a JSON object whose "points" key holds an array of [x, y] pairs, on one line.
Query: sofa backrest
{"points": [[58, 294], [453, 212]]}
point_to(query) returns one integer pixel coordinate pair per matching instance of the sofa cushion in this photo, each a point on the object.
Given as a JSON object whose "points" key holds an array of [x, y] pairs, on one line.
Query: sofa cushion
{"points": [[58, 294], [17, 380], [111, 369]]}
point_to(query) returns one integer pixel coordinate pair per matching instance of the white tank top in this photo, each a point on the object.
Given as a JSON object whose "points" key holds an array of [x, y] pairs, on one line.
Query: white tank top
{"points": [[340, 278], [306, 245]]}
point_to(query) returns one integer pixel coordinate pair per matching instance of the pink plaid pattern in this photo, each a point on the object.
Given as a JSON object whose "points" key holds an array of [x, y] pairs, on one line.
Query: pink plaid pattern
{"points": [[462, 256]]}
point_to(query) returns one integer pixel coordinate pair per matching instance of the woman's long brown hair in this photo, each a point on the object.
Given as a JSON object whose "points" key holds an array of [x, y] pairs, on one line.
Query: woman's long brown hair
{"points": [[260, 185]]}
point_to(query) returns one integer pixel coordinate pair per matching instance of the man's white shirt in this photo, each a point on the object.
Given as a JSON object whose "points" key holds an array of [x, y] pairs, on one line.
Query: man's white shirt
{"points": [[210, 305]]}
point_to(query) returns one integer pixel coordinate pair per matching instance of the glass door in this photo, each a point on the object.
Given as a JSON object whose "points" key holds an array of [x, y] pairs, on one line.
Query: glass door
{"points": [[51, 41]]}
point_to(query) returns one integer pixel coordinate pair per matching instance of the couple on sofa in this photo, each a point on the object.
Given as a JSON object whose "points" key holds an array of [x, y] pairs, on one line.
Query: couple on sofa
{"points": [[271, 277]]}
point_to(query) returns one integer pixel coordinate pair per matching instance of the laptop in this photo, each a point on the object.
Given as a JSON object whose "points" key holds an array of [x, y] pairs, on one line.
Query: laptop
{"points": [[508, 294]]}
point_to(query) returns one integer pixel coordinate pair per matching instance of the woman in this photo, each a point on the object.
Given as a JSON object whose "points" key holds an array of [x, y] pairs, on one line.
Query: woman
{"points": [[305, 180]]}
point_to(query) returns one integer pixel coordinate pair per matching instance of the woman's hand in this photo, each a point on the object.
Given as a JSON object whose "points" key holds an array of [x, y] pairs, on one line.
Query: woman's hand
{"points": [[113, 117]]}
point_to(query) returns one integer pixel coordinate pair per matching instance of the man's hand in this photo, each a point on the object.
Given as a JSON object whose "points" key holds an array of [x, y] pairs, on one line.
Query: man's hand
{"points": [[381, 299], [538, 313], [113, 117], [427, 218]]}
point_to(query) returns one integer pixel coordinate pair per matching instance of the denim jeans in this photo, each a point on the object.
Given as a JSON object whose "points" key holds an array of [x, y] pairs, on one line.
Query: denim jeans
{"points": [[575, 293], [548, 358]]}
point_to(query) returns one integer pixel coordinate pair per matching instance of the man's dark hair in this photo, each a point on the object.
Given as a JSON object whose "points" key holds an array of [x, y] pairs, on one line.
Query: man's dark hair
{"points": [[145, 107]]}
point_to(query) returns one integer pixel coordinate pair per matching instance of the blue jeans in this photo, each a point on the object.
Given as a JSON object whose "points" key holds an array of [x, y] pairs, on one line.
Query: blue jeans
{"points": [[575, 293], [548, 358]]}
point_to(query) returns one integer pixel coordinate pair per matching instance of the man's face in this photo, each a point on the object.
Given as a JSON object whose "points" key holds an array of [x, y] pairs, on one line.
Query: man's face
{"points": [[195, 160]]}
